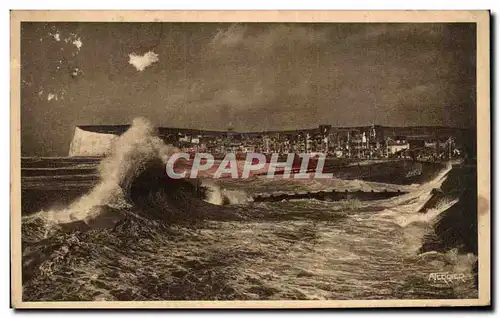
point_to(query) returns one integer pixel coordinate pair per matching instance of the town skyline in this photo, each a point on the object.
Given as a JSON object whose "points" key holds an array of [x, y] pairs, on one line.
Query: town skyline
{"points": [[250, 76], [276, 130], [368, 141]]}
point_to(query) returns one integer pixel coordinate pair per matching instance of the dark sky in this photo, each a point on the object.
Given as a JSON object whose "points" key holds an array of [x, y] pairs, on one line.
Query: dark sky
{"points": [[256, 76]]}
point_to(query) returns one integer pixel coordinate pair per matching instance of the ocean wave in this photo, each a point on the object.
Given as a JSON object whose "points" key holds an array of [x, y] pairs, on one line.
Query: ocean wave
{"points": [[139, 235]]}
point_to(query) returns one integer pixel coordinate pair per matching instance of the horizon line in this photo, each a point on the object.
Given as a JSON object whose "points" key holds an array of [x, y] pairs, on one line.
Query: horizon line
{"points": [[284, 130]]}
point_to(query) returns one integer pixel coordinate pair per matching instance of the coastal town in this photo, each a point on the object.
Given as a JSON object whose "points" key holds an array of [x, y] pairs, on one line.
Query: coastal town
{"points": [[424, 143], [371, 142]]}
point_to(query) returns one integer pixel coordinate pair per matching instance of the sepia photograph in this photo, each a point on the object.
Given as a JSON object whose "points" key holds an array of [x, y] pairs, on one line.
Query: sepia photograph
{"points": [[250, 159]]}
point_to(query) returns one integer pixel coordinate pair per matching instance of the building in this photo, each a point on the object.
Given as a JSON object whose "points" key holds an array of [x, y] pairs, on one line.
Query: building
{"points": [[394, 147], [430, 144]]}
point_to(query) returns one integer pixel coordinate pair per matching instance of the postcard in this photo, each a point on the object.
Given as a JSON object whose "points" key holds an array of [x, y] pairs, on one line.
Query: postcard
{"points": [[250, 159]]}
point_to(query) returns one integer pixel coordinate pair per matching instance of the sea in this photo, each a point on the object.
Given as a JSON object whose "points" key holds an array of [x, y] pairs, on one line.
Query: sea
{"points": [[115, 229]]}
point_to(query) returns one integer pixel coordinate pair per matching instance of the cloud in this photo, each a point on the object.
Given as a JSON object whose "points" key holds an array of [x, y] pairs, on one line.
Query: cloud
{"points": [[382, 72], [253, 67], [141, 62], [240, 38], [233, 36]]}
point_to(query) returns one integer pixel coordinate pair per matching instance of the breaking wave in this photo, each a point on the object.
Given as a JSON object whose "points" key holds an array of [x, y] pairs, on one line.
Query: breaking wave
{"points": [[131, 154], [439, 221], [215, 194], [133, 178]]}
